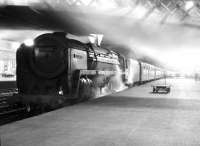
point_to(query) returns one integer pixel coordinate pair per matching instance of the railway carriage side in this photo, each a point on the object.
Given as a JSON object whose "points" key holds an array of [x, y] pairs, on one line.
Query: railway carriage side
{"points": [[132, 72]]}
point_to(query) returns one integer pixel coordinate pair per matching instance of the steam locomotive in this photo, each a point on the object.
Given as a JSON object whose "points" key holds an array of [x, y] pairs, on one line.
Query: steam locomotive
{"points": [[56, 69]]}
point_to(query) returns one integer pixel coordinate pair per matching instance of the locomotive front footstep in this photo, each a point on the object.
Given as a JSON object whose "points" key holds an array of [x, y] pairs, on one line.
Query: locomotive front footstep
{"points": [[161, 88]]}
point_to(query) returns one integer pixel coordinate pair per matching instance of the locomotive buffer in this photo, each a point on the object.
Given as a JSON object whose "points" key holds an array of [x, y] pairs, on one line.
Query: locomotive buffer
{"points": [[161, 87]]}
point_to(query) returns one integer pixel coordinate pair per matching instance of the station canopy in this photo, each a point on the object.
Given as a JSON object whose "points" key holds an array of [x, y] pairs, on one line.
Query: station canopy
{"points": [[184, 12]]}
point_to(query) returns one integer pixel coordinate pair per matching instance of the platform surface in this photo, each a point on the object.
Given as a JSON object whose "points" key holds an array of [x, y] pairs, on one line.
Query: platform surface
{"points": [[134, 117]]}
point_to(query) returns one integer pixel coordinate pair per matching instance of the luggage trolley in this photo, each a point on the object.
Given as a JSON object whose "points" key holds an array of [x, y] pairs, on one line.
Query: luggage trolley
{"points": [[161, 87]]}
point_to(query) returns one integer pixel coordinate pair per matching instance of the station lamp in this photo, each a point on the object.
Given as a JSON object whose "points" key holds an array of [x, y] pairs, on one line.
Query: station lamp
{"points": [[139, 12], [189, 5]]}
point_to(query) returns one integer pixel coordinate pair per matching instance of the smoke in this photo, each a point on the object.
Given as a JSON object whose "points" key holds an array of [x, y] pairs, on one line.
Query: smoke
{"points": [[116, 80], [105, 85], [144, 39]]}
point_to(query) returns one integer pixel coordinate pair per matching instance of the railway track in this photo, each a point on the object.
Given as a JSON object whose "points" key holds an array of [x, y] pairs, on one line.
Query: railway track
{"points": [[10, 112]]}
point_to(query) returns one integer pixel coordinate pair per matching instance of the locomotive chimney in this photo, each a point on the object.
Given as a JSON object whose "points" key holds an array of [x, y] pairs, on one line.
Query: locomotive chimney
{"points": [[95, 39]]}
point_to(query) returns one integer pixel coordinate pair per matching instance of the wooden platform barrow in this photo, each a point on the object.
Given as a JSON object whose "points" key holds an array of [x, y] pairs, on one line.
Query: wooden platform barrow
{"points": [[158, 88]]}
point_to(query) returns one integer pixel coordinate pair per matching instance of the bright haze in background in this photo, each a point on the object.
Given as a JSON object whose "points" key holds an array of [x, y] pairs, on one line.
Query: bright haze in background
{"points": [[172, 44]]}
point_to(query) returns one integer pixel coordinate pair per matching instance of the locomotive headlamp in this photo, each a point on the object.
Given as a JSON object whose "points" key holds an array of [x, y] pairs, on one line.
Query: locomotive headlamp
{"points": [[29, 42]]}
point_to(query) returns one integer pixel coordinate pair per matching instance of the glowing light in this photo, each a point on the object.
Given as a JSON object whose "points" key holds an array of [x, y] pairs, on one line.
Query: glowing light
{"points": [[29, 42], [15, 45], [60, 92], [185, 61], [139, 12], [189, 5]]}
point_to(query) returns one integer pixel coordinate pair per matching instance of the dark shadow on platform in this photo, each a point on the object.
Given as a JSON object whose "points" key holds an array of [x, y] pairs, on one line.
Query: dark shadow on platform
{"points": [[161, 92], [142, 102]]}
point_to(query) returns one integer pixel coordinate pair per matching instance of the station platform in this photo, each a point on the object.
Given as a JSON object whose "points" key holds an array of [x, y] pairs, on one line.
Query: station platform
{"points": [[134, 117]]}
